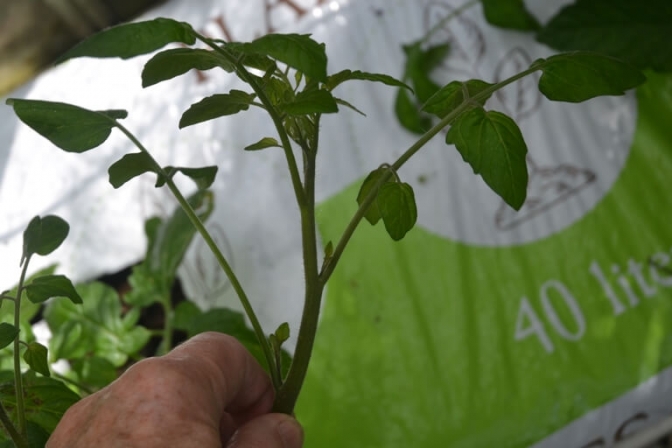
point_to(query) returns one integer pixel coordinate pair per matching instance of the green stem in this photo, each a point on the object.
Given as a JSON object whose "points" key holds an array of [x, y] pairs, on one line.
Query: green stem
{"points": [[288, 394], [330, 264], [247, 77], [223, 263], [19, 440], [454, 13], [18, 379]]}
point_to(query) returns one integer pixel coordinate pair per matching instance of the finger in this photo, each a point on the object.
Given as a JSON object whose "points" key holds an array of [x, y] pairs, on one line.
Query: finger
{"points": [[227, 374], [269, 431]]}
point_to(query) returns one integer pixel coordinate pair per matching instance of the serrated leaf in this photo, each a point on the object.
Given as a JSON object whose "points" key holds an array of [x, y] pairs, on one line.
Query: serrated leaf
{"points": [[175, 62], [8, 333], [71, 128], [494, 147], [266, 142], [511, 14], [46, 400], [373, 213], [43, 235], [311, 102], [94, 328], [635, 32], [282, 333], [337, 79], [216, 106], [576, 77], [48, 286], [131, 166], [133, 39], [298, 51], [36, 358], [396, 203], [450, 96]]}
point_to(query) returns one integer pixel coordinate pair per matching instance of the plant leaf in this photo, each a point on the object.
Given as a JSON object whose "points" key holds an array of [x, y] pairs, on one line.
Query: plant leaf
{"points": [[396, 203], [510, 14], [46, 400], [349, 106], [133, 39], [71, 128], [494, 147], [311, 102], [419, 65], [36, 358], [203, 177], [298, 51], [167, 242], [115, 114], [451, 96], [95, 328], [8, 333], [266, 142], [44, 235], [131, 166], [48, 286], [337, 79], [632, 31], [576, 77], [373, 213], [174, 62], [409, 115], [190, 318], [216, 106], [282, 333]]}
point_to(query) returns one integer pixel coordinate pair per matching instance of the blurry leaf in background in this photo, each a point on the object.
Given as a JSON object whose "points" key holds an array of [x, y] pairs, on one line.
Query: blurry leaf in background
{"points": [[46, 399], [511, 14], [95, 328], [189, 318], [637, 32], [167, 242], [43, 235]]}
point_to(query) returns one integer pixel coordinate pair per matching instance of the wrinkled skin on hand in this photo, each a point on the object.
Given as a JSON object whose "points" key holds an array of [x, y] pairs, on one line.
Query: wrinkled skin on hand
{"points": [[208, 393]]}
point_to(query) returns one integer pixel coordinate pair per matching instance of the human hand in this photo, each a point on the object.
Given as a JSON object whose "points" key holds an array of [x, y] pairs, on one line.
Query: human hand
{"points": [[208, 392]]}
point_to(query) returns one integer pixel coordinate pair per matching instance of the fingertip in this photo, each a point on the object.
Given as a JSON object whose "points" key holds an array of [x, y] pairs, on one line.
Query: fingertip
{"points": [[269, 431]]}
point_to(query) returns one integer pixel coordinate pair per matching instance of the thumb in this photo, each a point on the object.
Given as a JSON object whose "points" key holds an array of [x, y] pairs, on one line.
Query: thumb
{"points": [[268, 431]]}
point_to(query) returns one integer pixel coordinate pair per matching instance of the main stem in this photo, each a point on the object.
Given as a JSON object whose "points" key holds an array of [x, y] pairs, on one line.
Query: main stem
{"points": [[18, 379]]}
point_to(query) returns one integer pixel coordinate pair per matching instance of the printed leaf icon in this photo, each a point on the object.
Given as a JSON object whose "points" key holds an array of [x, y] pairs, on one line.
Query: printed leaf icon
{"points": [[8, 333], [133, 39], [130, 166], [451, 96], [298, 51], [43, 235], [216, 106], [36, 358], [510, 14], [71, 128], [396, 203], [174, 62], [48, 286], [494, 147], [576, 77], [635, 32]]}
